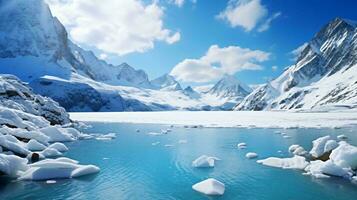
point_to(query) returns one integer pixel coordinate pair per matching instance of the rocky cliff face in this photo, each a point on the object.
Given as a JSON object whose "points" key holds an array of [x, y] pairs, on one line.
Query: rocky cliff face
{"points": [[324, 74]]}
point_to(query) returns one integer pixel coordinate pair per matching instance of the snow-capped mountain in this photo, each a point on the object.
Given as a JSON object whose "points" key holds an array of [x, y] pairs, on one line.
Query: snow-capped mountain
{"points": [[189, 91], [35, 47], [325, 74], [166, 82], [230, 87]]}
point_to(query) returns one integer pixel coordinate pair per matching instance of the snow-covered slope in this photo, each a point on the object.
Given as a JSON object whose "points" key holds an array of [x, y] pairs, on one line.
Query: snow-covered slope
{"points": [[35, 47], [166, 82], [230, 87], [325, 74]]}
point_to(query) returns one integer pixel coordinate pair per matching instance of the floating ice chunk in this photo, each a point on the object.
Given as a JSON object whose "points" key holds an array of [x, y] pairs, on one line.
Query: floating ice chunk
{"points": [[251, 155], [319, 168], [155, 143], [51, 152], [354, 179], [345, 155], [330, 145], [84, 170], [12, 165], [59, 147], [318, 148], [51, 181], [342, 137], [154, 133], [296, 162], [54, 169], [182, 141], [242, 145], [204, 161], [287, 136], [72, 131], [293, 147], [169, 145], [297, 150], [209, 187], [56, 135], [108, 136], [33, 145]]}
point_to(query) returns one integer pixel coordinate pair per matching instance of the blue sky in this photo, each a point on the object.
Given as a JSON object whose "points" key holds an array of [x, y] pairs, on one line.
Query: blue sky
{"points": [[200, 28]]}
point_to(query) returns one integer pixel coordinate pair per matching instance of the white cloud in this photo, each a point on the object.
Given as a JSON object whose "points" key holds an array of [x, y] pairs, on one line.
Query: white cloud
{"points": [[119, 27], [178, 3], [217, 62], [274, 68], [296, 52], [266, 25], [247, 14]]}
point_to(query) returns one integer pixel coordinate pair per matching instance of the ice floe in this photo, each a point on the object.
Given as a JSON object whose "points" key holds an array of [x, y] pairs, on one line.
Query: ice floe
{"points": [[296, 162], [345, 155], [242, 145], [204, 161], [251, 155], [56, 169], [210, 187], [342, 137], [33, 145]]}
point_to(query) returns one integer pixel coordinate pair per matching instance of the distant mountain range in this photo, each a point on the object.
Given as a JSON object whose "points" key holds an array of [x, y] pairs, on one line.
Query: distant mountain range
{"points": [[324, 76], [35, 47]]}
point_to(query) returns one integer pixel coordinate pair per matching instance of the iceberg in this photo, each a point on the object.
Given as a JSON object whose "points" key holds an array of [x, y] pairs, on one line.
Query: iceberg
{"points": [[296, 162], [204, 162], [209, 187], [318, 148], [345, 155], [59, 147], [33, 145], [242, 145], [320, 169], [251, 155]]}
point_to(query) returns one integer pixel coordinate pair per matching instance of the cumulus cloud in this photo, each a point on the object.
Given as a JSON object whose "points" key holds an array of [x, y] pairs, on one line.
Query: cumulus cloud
{"points": [[217, 62], [103, 56], [118, 27], [247, 14], [274, 68], [178, 3], [296, 52]]}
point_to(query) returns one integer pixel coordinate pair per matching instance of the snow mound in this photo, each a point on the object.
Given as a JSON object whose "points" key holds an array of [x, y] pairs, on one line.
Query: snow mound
{"points": [[59, 147], [50, 169], [296, 162], [204, 161], [251, 155], [55, 134], [209, 187], [33, 145], [12, 165]]}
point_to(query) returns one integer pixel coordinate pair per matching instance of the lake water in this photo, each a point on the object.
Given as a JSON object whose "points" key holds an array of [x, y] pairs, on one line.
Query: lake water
{"points": [[132, 168]]}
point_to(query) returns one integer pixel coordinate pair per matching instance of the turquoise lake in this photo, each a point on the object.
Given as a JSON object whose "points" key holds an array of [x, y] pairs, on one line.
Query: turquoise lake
{"points": [[132, 168]]}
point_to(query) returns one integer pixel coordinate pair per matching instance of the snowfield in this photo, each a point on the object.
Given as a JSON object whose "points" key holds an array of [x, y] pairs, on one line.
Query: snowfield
{"points": [[249, 119]]}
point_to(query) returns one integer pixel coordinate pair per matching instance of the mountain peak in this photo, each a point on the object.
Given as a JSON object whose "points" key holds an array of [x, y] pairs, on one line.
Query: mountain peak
{"points": [[229, 86], [166, 81]]}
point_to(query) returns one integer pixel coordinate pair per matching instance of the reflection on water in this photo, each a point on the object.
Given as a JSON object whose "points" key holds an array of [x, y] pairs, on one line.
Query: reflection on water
{"points": [[133, 168]]}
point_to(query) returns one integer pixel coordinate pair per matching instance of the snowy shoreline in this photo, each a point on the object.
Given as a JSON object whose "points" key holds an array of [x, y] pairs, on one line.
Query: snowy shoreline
{"points": [[226, 119]]}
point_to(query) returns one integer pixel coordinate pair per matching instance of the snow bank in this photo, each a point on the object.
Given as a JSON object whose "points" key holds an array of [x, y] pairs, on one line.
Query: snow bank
{"points": [[209, 187], [261, 119], [296, 162], [33, 145], [57, 169], [55, 135], [59, 147], [251, 155], [204, 161]]}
